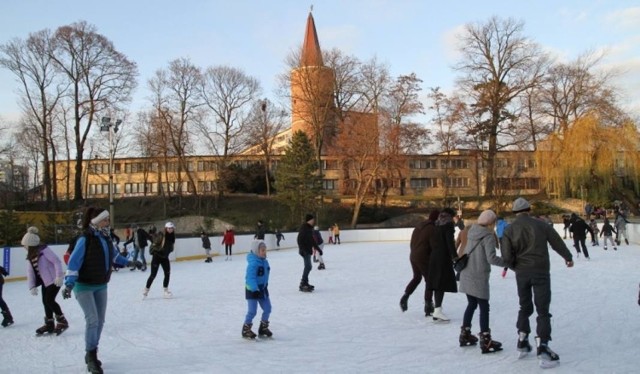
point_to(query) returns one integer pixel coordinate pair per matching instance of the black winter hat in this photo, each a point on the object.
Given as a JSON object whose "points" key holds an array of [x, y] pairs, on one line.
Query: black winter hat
{"points": [[308, 217]]}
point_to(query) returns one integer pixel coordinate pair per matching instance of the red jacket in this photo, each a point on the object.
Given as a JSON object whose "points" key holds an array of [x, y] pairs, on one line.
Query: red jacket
{"points": [[229, 237]]}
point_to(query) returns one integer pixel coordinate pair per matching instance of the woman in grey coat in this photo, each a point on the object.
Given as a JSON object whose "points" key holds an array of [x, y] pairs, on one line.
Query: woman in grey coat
{"points": [[474, 280]]}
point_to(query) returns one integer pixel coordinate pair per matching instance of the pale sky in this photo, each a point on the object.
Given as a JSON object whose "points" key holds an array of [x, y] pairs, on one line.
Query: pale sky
{"points": [[256, 36]]}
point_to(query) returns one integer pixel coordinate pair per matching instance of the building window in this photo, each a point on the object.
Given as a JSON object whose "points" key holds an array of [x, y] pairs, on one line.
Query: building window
{"points": [[423, 164], [329, 184], [330, 165], [457, 182], [423, 183], [454, 164]]}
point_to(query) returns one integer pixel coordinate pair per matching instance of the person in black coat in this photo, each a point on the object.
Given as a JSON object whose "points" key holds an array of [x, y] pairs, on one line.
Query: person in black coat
{"points": [[306, 244], [441, 277], [579, 229]]}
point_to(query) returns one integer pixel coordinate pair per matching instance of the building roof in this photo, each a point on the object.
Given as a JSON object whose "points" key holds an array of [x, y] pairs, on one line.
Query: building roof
{"points": [[311, 54]]}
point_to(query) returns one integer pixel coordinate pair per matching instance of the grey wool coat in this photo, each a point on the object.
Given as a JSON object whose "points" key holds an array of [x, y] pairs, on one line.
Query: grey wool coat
{"points": [[474, 279]]}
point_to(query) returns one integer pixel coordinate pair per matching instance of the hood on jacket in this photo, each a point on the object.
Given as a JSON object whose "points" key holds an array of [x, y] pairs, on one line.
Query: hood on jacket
{"points": [[477, 232]]}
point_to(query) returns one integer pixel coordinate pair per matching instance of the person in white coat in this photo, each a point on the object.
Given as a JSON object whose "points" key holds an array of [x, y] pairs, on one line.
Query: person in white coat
{"points": [[474, 280]]}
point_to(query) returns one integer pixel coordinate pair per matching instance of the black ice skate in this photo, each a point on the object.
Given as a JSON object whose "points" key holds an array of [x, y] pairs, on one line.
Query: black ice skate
{"points": [[404, 302], [263, 330], [7, 318], [321, 266], [61, 325], [94, 366], [546, 357], [246, 331], [488, 345], [466, 338], [48, 327], [523, 344], [428, 308]]}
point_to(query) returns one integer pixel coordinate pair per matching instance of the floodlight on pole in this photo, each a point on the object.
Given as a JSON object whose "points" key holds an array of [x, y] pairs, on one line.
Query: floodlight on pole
{"points": [[107, 126]]}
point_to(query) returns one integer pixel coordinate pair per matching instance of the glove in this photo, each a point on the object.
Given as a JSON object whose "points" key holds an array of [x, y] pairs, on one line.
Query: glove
{"points": [[34, 291], [504, 272], [256, 294], [66, 293], [3, 271], [58, 282]]}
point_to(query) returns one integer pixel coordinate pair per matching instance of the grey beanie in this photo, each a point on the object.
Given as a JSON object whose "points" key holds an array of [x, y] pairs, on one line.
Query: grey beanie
{"points": [[520, 204], [31, 238]]}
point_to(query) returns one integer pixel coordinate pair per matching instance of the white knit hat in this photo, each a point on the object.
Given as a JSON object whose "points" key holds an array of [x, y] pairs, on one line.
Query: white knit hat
{"points": [[31, 238], [255, 246]]}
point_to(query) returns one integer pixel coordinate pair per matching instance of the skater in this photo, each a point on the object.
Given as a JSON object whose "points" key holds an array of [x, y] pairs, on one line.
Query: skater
{"points": [[161, 247], [621, 228], [257, 291], [45, 270], [594, 228], [140, 239], [260, 231], [88, 273], [474, 281], [7, 318], [336, 234], [306, 245], [419, 259], [206, 244], [319, 248], [524, 250], [330, 232], [567, 223], [608, 232], [441, 277], [228, 239], [579, 229], [279, 237]]}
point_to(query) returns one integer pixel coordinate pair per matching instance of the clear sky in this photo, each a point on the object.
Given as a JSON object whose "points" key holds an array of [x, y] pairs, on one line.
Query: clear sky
{"points": [[256, 36]]}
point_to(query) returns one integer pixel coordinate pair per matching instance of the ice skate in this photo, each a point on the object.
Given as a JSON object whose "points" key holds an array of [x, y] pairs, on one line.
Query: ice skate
{"points": [[94, 366], [546, 357], [466, 337], [428, 308], [246, 331], [523, 345], [7, 318], [166, 293], [145, 292], [439, 316], [404, 302], [321, 266], [626, 241], [263, 330], [488, 345], [47, 328], [61, 324], [306, 287]]}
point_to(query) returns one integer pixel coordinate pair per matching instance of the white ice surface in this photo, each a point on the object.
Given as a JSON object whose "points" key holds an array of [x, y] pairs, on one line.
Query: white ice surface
{"points": [[351, 324]]}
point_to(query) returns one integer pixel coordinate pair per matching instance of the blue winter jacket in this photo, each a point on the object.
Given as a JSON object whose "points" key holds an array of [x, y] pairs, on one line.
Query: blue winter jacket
{"points": [[257, 277], [500, 226]]}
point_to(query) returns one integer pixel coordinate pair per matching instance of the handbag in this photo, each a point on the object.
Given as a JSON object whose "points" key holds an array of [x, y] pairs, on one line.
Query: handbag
{"points": [[462, 262]]}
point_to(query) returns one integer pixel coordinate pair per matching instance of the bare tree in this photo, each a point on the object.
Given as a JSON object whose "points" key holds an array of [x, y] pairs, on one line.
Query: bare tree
{"points": [[100, 78], [41, 90], [498, 64], [264, 124]]}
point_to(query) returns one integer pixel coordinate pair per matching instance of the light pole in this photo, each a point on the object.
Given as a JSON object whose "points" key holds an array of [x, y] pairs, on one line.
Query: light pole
{"points": [[107, 125]]}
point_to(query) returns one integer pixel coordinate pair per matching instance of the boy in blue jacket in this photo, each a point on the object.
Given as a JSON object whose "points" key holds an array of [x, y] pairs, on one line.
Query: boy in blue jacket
{"points": [[256, 291]]}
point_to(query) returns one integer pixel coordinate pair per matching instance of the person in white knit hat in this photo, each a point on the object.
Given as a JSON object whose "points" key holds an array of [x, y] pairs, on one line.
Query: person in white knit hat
{"points": [[474, 280], [44, 269], [161, 247]]}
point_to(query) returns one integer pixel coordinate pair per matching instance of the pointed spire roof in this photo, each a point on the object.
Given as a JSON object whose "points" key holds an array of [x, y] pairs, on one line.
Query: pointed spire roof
{"points": [[311, 54]]}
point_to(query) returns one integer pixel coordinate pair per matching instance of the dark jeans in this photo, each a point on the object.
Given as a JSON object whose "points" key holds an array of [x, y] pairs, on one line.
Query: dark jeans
{"points": [[307, 268], [534, 289], [227, 249], [418, 275], [156, 261], [580, 242], [49, 300], [472, 304], [3, 304]]}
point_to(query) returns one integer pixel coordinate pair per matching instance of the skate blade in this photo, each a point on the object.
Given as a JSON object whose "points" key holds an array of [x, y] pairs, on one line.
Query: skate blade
{"points": [[59, 331], [494, 350], [548, 364], [440, 321], [523, 354]]}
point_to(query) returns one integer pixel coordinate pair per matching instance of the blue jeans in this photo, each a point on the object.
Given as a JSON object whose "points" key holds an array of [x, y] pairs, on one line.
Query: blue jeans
{"points": [[94, 306], [137, 250], [252, 309], [307, 268]]}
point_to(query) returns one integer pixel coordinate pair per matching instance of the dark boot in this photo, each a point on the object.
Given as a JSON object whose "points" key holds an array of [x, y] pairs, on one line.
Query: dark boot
{"points": [[7, 318], [523, 343], [62, 324], [321, 266], [263, 330], [246, 331], [428, 308], [466, 338], [488, 345], [306, 287], [404, 302], [48, 327], [94, 366]]}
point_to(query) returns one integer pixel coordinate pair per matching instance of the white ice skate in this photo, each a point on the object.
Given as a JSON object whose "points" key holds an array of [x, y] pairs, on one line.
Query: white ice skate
{"points": [[439, 316]]}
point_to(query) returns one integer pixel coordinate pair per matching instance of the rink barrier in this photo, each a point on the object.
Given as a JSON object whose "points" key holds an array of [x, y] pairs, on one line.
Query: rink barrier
{"points": [[187, 249]]}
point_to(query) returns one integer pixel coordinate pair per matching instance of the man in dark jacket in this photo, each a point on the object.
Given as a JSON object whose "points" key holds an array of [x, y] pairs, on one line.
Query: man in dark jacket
{"points": [[524, 249], [579, 229], [305, 249]]}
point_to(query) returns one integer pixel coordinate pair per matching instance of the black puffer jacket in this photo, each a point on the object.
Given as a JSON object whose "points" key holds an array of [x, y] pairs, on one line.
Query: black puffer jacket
{"points": [[305, 240]]}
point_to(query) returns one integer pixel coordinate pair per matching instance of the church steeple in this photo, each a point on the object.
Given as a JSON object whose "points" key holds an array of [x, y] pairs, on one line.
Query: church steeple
{"points": [[311, 54]]}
